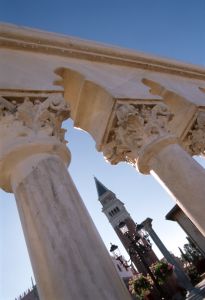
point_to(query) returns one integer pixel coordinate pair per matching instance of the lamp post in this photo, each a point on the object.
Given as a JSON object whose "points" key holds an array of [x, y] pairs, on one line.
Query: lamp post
{"points": [[138, 248], [114, 249]]}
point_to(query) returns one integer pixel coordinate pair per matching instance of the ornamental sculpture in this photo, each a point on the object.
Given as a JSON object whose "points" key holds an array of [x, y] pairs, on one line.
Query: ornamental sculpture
{"points": [[37, 118], [195, 140], [134, 127], [30, 126]]}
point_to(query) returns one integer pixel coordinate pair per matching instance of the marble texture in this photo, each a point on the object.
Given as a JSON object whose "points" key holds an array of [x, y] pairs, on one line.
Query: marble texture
{"points": [[68, 257], [29, 57], [183, 178], [162, 108]]}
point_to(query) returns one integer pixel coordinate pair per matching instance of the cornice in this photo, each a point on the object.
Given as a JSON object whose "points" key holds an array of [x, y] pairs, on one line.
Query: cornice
{"points": [[32, 40]]}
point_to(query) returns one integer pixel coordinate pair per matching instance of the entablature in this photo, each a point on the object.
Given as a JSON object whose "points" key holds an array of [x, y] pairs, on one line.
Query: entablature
{"points": [[109, 90]]}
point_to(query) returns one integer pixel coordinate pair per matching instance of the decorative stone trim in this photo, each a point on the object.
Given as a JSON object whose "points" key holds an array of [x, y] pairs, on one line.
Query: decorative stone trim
{"points": [[30, 127], [194, 143], [34, 117], [136, 126], [33, 40]]}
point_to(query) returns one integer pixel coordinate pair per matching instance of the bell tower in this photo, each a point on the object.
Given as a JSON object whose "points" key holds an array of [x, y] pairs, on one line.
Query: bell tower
{"points": [[115, 211], [112, 207]]}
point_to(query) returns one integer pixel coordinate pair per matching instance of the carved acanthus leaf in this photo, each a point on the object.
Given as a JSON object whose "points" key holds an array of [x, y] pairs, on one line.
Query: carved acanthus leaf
{"points": [[6, 106], [194, 142], [135, 127], [34, 118]]}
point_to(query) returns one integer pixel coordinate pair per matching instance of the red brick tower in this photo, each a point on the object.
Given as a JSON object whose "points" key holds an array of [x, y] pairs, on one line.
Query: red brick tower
{"points": [[116, 212]]}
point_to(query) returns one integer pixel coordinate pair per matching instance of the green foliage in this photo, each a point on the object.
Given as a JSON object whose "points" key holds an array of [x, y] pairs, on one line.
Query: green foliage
{"points": [[162, 270], [193, 274], [191, 253], [140, 285]]}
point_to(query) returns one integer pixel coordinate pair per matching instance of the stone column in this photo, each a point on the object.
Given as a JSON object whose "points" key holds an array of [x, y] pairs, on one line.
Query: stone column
{"points": [[68, 257], [184, 178], [181, 276], [143, 135]]}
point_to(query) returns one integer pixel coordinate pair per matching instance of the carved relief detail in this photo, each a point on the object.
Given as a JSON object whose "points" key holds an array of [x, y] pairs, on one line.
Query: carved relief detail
{"points": [[134, 127], [38, 118], [194, 142]]}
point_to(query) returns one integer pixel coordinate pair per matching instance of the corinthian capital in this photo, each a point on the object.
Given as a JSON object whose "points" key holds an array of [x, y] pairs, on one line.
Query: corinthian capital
{"points": [[30, 125], [194, 142], [33, 118], [135, 127]]}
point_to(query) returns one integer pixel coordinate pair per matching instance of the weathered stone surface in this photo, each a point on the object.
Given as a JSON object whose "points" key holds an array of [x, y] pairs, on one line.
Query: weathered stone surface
{"points": [[68, 257], [28, 58], [194, 142], [134, 128], [183, 177], [137, 108], [28, 127]]}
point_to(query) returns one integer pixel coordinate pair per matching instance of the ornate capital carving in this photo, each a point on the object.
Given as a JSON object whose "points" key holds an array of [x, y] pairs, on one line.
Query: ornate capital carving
{"points": [[31, 126], [194, 143], [135, 127], [33, 118]]}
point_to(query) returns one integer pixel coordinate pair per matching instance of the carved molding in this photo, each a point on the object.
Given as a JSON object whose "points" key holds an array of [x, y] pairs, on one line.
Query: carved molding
{"points": [[190, 126], [33, 118], [30, 130], [136, 126], [194, 143], [33, 40]]}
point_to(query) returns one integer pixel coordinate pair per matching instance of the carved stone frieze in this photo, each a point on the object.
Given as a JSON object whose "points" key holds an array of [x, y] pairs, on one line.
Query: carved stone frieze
{"points": [[134, 127], [33, 118], [194, 143]]}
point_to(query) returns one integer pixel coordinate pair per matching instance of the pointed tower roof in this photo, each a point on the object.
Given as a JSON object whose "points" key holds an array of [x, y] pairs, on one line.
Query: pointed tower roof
{"points": [[101, 189]]}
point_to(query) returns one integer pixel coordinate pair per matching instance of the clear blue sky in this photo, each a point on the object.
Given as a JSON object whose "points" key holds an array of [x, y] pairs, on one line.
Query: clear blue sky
{"points": [[173, 29]]}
